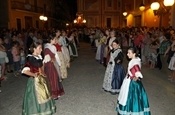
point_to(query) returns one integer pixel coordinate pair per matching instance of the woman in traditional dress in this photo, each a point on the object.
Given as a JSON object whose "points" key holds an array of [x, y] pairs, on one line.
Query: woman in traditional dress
{"points": [[3, 61], [50, 54], [109, 43], [132, 99], [100, 48], [64, 48], [171, 65], [115, 73], [171, 59], [72, 46], [102, 42], [37, 99], [63, 68], [3, 57], [107, 32]]}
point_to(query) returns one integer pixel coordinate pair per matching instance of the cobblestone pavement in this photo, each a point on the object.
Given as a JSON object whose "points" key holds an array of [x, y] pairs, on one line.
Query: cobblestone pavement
{"points": [[83, 90]]}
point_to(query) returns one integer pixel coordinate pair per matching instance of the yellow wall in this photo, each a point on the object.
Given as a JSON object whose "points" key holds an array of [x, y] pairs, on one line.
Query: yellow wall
{"points": [[150, 20], [21, 15], [147, 16], [166, 20], [130, 20]]}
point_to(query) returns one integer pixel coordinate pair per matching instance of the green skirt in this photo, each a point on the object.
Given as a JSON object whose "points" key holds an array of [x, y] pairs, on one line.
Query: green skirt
{"points": [[137, 101], [31, 105]]}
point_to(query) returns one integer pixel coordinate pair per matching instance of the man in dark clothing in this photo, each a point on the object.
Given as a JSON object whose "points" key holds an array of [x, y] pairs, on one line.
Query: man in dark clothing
{"points": [[29, 42]]}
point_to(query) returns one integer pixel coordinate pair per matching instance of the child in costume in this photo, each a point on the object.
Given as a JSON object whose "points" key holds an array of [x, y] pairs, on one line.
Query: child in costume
{"points": [[132, 99], [115, 72], [37, 98]]}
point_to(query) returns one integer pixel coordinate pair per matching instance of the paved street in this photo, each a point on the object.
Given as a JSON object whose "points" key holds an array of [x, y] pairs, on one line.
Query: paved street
{"points": [[83, 90]]}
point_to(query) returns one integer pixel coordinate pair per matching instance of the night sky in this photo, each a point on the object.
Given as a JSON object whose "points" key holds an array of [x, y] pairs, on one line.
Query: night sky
{"points": [[72, 4]]}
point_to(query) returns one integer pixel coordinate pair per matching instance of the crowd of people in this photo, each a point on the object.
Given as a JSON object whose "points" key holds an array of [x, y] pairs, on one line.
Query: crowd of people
{"points": [[155, 45], [43, 57], [146, 46]]}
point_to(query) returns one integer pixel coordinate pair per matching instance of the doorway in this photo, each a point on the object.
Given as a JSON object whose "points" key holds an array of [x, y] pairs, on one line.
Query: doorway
{"points": [[108, 23], [124, 22], [18, 23], [28, 22], [138, 21]]}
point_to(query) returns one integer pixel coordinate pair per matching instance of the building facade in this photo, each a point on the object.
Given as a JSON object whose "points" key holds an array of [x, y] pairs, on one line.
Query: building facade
{"points": [[19, 14], [101, 13], [109, 13], [135, 17]]}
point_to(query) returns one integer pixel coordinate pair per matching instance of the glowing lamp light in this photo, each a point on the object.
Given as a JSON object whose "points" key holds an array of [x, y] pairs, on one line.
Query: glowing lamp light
{"points": [[125, 13], [45, 18], [79, 17], [41, 17], [168, 2], [142, 8], [155, 6], [75, 21], [84, 21]]}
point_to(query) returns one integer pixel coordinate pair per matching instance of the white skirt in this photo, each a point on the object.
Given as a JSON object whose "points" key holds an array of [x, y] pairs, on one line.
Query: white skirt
{"points": [[172, 63], [3, 57]]}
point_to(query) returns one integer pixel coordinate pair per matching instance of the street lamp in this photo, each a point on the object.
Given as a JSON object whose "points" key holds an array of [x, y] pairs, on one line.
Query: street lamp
{"points": [[43, 18], [67, 24], [165, 7], [79, 19], [155, 6], [125, 13], [168, 2], [142, 6], [84, 21], [75, 21]]}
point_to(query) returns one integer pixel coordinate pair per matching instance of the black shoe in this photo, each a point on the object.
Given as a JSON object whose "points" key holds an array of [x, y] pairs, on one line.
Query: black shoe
{"points": [[10, 71], [114, 93]]}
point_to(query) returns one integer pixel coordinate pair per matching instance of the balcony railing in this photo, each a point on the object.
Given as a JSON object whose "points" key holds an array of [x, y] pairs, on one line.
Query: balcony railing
{"points": [[26, 7]]}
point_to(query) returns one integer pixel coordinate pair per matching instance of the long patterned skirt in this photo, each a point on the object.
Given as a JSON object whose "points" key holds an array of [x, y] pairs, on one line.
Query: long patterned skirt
{"points": [[137, 101], [63, 67], [54, 84], [31, 105], [73, 50], [66, 56], [117, 77]]}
